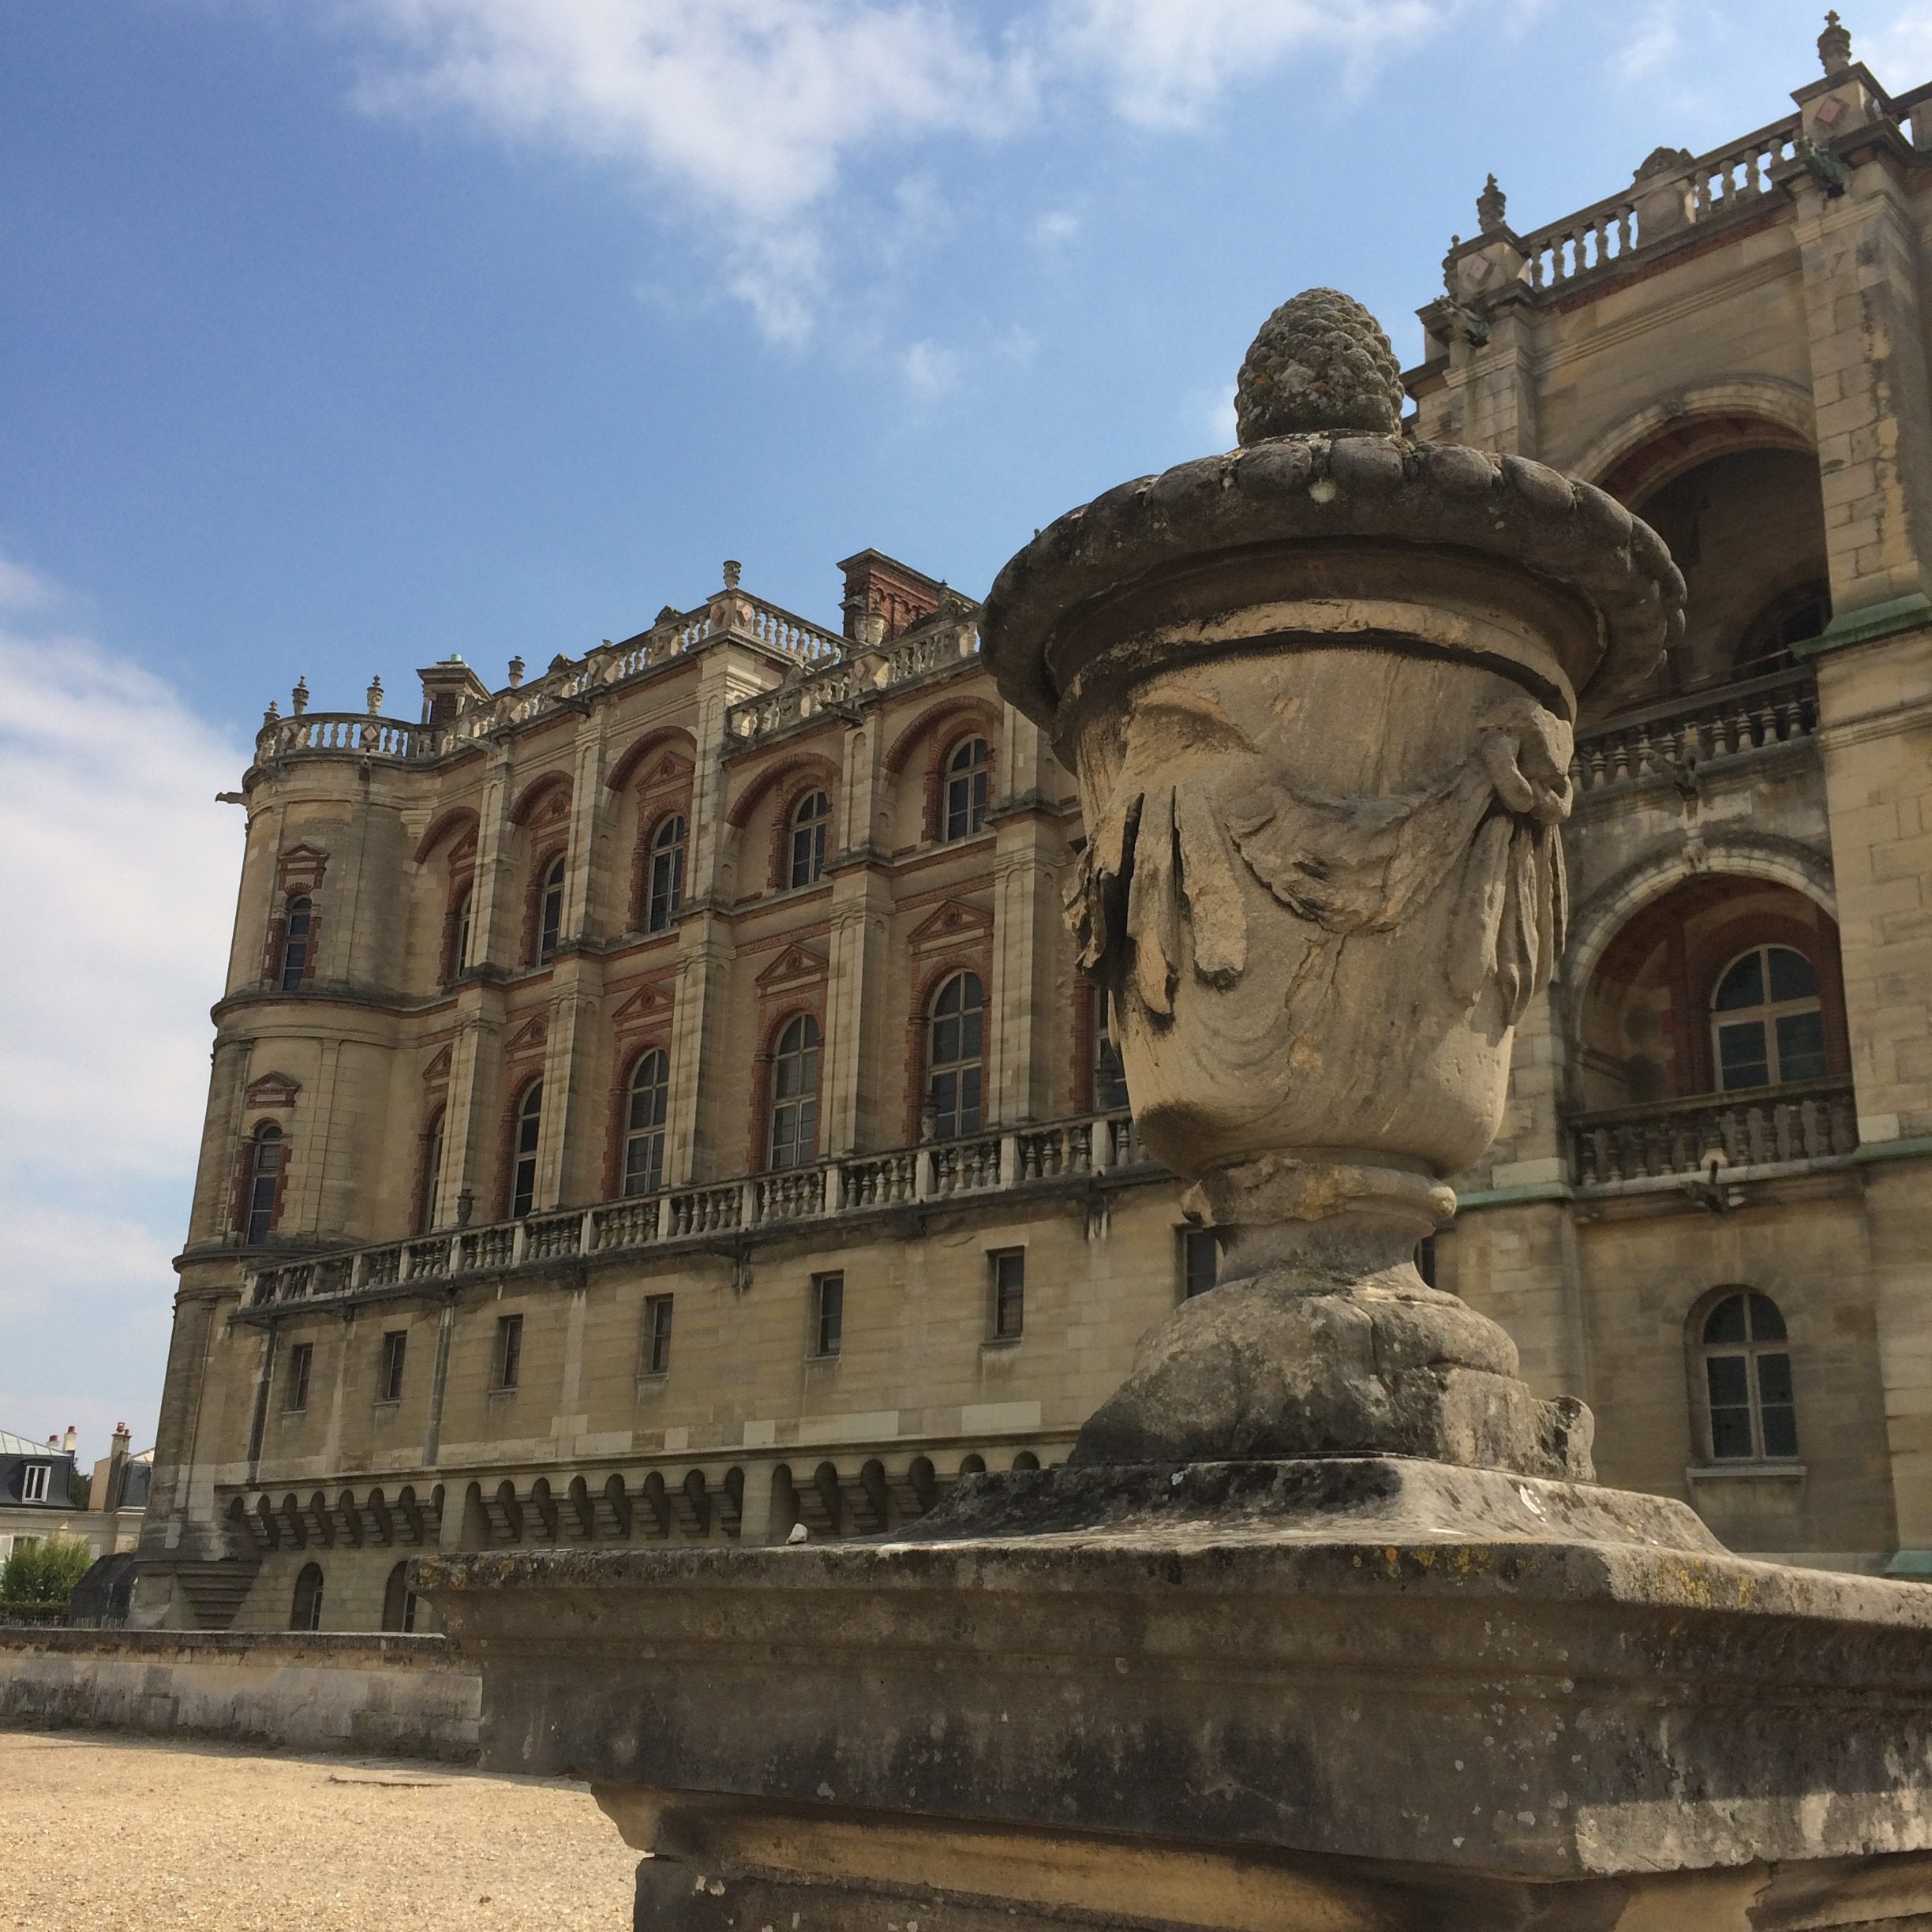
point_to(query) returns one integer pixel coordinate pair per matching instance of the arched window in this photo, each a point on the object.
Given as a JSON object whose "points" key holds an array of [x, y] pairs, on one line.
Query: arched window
{"points": [[265, 1182], [523, 1158], [1747, 1380], [1766, 1024], [296, 922], [399, 1600], [666, 891], [458, 956], [305, 1612], [644, 1123], [955, 1031], [1109, 1077], [794, 1137], [1765, 645], [810, 817], [432, 1177], [550, 912], [965, 790]]}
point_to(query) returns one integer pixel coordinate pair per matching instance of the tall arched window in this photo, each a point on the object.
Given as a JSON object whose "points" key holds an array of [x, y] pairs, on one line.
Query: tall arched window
{"points": [[550, 912], [264, 1184], [1747, 1380], [965, 790], [458, 953], [1109, 1077], [809, 816], [296, 924], [794, 1136], [399, 1600], [431, 1179], [666, 891], [523, 1157], [305, 1612], [644, 1123], [955, 1031], [1767, 1026]]}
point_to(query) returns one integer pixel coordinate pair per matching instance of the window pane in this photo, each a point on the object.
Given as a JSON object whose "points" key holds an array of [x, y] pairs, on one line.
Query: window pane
{"points": [[969, 1101], [1729, 1381], [1774, 1382], [1726, 1321], [1781, 1430], [971, 1025], [1741, 1056], [1766, 1321], [1742, 985], [1791, 976], [1731, 1436], [1801, 1046], [1199, 1254]]}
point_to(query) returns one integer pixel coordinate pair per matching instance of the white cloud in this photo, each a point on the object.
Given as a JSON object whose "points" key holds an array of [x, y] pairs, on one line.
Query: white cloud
{"points": [[1055, 228], [1650, 41], [1898, 50], [1211, 413], [740, 118], [115, 855], [930, 370]]}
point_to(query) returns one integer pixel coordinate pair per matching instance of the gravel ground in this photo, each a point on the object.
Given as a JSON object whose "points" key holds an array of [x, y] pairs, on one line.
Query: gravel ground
{"points": [[113, 1834]]}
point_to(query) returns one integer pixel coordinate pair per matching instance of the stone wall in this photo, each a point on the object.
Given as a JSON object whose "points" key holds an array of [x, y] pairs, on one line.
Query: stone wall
{"points": [[390, 1696]]}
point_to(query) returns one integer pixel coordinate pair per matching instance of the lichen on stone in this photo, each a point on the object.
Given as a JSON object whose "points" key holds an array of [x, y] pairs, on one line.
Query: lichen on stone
{"points": [[1320, 362]]}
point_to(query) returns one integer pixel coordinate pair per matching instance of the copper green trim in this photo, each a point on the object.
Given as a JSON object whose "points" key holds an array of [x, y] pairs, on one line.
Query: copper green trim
{"points": [[1861, 626], [1910, 1563], [1511, 1196], [1914, 1149]]}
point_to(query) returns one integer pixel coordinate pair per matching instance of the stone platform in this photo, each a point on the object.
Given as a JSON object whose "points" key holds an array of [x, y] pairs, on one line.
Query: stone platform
{"points": [[1350, 1693]]}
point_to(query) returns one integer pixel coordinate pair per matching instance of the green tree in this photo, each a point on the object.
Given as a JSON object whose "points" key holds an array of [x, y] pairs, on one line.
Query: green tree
{"points": [[45, 1571], [79, 1489]]}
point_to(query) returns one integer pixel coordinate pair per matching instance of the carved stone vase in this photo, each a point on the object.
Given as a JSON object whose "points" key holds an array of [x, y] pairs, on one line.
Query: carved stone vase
{"points": [[1319, 696]]}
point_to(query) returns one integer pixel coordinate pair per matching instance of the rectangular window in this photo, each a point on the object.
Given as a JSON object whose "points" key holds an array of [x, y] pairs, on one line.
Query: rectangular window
{"points": [[509, 1361], [1199, 1254], [828, 1313], [656, 1335], [295, 1388], [1009, 1294], [34, 1482], [394, 1342]]}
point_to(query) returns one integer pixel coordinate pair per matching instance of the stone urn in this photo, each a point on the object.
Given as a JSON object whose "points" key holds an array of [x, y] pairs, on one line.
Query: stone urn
{"points": [[1319, 695]]}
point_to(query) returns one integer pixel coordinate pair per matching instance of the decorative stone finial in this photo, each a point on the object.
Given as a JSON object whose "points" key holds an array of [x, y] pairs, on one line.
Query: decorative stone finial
{"points": [[1320, 362], [1834, 45], [1490, 207], [1663, 161], [733, 570], [516, 673], [271, 715], [298, 697], [372, 697]]}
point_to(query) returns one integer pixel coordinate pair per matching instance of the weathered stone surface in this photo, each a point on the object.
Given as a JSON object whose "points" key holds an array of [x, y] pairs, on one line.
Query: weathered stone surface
{"points": [[1320, 361]]}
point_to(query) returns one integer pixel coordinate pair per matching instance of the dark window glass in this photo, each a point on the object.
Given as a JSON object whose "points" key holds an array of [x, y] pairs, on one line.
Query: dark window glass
{"points": [[795, 1094], [809, 818], [295, 1378], [264, 1182], [399, 1600], [298, 920], [644, 1123], [432, 1173], [523, 1158], [459, 935], [1747, 1380], [955, 1033], [1425, 1260], [508, 1363], [1009, 1294], [1773, 1029], [305, 1612], [657, 1334], [550, 913], [1200, 1255], [667, 875], [828, 1313], [1109, 1077], [966, 790], [395, 1344]]}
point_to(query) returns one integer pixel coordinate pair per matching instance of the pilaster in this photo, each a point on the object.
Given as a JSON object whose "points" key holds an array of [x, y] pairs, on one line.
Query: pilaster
{"points": [[1026, 1021]]}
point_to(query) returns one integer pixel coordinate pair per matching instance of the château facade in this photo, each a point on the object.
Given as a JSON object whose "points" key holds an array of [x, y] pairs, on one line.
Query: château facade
{"points": [[657, 1099]]}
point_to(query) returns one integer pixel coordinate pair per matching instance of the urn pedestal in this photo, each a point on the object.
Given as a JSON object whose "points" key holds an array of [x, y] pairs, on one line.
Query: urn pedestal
{"points": [[1324, 1625]]}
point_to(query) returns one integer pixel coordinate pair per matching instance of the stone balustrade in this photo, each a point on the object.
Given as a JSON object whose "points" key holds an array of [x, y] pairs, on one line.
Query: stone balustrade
{"points": [[942, 1172], [1766, 1127], [1672, 738], [835, 686], [1719, 184]]}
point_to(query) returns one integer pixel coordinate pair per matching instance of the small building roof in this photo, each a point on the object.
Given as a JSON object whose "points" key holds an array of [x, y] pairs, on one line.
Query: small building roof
{"points": [[11, 1444]]}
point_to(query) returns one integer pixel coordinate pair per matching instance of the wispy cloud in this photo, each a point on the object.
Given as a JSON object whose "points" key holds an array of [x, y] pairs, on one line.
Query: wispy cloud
{"points": [[741, 119], [1055, 228], [930, 370], [114, 852]]}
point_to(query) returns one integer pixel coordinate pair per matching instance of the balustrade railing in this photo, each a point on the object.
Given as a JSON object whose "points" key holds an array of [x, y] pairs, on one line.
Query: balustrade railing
{"points": [[902, 1177], [1771, 1126], [1671, 739], [1721, 182], [808, 694]]}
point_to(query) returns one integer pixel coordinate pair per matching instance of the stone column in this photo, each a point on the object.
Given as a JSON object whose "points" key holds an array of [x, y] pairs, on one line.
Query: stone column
{"points": [[861, 908]]}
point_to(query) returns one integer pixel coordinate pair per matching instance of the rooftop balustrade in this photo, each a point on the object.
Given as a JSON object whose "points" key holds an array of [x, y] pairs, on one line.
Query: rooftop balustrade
{"points": [[908, 660], [940, 1172]]}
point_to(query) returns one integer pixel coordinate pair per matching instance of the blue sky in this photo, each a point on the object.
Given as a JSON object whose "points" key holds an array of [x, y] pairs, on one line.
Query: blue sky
{"points": [[336, 336]]}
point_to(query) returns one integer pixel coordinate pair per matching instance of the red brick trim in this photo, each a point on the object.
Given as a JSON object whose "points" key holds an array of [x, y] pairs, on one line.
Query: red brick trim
{"points": [[801, 1002], [631, 761], [441, 827], [620, 1107], [506, 1173], [976, 958], [534, 800]]}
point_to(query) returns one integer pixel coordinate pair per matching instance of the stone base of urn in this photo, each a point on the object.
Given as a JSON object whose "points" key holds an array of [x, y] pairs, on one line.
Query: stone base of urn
{"points": [[1346, 1694]]}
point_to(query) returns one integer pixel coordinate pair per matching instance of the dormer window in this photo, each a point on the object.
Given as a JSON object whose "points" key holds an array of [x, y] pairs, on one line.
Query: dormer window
{"points": [[34, 1481]]}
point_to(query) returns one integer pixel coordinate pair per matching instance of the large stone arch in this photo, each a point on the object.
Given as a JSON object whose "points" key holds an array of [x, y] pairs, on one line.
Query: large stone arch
{"points": [[1769, 412]]}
